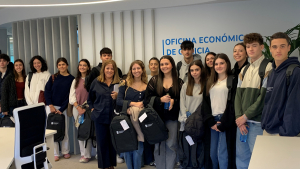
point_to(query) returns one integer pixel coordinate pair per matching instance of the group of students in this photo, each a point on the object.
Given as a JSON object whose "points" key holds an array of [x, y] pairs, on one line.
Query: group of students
{"points": [[249, 99]]}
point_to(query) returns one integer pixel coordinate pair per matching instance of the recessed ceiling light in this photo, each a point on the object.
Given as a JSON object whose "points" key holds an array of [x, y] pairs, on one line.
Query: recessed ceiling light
{"points": [[69, 4]]}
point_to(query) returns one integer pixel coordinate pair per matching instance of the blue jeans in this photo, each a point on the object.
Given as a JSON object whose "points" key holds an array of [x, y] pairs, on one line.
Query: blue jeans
{"points": [[218, 148], [244, 149], [133, 159]]}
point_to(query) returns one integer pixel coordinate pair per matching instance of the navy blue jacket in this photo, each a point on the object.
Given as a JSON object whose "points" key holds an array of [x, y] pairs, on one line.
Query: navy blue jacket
{"points": [[281, 113], [57, 93], [100, 99], [131, 95]]}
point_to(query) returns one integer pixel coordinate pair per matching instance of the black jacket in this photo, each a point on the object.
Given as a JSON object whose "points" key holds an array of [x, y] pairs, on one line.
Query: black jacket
{"points": [[9, 96], [236, 71], [94, 74], [8, 71], [227, 124]]}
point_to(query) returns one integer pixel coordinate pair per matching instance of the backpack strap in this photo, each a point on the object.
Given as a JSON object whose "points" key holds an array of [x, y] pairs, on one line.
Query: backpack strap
{"points": [[179, 64], [29, 78], [262, 69], [229, 86], [152, 101], [53, 78], [289, 72], [245, 70], [124, 108]]}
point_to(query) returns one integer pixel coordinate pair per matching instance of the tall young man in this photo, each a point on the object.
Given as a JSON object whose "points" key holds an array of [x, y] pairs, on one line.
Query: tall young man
{"points": [[249, 100], [4, 71], [105, 54], [281, 113], [187, 50]]}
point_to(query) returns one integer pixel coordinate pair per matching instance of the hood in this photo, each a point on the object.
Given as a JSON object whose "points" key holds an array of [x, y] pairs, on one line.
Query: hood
{"points": [[285, 64], [195, 56]]}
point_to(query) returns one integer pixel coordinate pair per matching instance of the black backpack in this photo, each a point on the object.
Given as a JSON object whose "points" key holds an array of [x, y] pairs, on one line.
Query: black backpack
{"points": [[152, 126], [57, 122], [7, 122], [194, 125], [261, 69], [86, 130], [123, 140], [289, 72]]}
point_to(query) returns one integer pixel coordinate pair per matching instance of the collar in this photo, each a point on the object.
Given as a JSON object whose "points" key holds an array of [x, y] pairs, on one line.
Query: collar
{"points": [[258, 61], [236, 65]]}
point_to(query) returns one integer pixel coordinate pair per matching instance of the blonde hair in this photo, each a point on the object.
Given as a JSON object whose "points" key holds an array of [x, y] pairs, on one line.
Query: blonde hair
{"points": [[130, 78], [116, 78]]}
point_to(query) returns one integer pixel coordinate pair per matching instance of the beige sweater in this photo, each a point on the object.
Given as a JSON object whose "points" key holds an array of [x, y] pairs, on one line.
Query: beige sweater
{"points": [[135, 111]]}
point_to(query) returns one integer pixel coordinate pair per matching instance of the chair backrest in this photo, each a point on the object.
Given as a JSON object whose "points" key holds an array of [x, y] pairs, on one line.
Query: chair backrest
{"points": [[30, 127]]}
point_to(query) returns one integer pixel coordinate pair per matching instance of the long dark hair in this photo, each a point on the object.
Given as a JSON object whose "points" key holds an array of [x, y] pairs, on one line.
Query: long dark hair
{"points": [[191, 80], [159, 86], [43, 62], [214, 75], [79, 75], [208, 69], [23, 71], [61, 60]]}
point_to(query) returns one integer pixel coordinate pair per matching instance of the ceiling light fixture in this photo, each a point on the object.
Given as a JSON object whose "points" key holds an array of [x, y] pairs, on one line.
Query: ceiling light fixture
{"points": [[69, 4]]}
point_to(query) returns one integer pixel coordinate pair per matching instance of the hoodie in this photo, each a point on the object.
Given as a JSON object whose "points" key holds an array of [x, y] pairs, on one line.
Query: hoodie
{"points": [[281, 113], [184, 68]]}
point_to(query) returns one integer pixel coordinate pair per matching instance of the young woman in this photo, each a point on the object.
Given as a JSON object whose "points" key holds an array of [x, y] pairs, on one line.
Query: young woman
{"points": [[209, 59], [219, 116], [13, 89], [57, 92], [101, 100], [40, 77], [133, 91], [78, 95], [153, 66], [166, 87], [240, 56], [190, 98]]}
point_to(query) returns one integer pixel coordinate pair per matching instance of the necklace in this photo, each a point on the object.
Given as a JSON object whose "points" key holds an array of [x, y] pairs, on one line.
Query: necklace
{"points": [[219, 81]]}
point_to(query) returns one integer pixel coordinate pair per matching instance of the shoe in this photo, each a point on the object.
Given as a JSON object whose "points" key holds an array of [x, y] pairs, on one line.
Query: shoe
{"points": [[152, 163], [67, 156], [84, 160], [119, 160], [56, 158]]}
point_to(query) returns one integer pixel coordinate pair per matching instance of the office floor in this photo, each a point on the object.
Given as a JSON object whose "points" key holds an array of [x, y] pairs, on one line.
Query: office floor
{"points": [[73, 163]]}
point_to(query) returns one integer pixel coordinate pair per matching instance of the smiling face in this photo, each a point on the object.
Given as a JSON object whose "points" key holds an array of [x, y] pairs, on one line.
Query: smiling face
{"points": [[239, 53], [210, 60], [37, 64], [195, 72], [83, 67], [109, 71], [280, 49], [220, 66], [254, 50], [18, 66], [136, 71], [62, 67], [165, 66]]}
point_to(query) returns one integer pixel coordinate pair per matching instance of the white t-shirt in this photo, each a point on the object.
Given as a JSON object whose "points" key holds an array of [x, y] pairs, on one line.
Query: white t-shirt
{"points": [[218, 97]]}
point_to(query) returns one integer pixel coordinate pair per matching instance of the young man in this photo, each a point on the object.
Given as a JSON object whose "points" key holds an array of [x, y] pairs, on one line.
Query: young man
{"points": [[249, 100], [105, 54], [154, 67], [187, 50], [281, 113], [4, 71]]}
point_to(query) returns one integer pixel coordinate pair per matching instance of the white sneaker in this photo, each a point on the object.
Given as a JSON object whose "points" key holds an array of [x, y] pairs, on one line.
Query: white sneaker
{"points": [[119, 160]]}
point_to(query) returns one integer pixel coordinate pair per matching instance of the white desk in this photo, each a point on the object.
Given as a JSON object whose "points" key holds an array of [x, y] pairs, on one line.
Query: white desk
{"points": [[7, 144], [276, 153]]}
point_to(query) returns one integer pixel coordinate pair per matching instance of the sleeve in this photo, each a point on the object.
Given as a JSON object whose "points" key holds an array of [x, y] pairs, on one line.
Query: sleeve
{"points": [[206, 110], [89, 79], [5, 94], [290, 124], [238, 98], [92, 96], [182, 113], [121, 95], [72, 95], [66, 99], [48, 91], [27, 92], [257, 107], [150, 91]]}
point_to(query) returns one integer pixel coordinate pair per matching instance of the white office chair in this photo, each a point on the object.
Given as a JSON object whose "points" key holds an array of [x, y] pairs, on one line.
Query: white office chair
{"points": [[30, 147]]}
